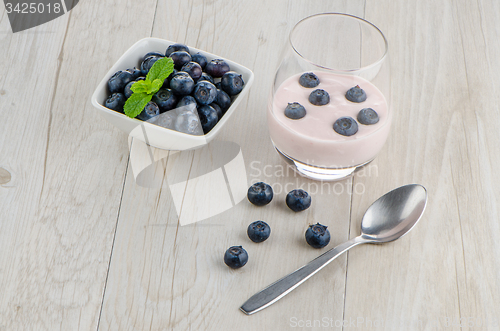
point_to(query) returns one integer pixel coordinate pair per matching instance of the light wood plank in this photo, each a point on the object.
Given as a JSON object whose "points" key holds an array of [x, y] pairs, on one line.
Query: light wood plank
{"points": [[174, 276], [59, 211]]}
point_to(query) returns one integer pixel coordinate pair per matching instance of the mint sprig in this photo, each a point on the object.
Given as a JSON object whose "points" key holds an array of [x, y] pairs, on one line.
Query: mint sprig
{"points": [[144, 90]]}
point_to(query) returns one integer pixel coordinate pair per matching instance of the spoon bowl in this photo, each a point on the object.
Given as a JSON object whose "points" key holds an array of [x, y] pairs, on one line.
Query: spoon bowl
{"points": [[390, 217]]}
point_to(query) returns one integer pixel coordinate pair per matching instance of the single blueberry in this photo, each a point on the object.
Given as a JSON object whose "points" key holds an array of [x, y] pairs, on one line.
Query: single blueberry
{"points": [[127, 91], [193, 69], [205, 92], [258, 231], [118, 81], [115, 101], [180, 58], [217, 109], [309, 80], [208, 117], [355, 94], [182, 84], [223, 100], [151, 110], [235, 257], [175, 48], [295, 111], [186, 100], [200, 59], [317, 235], [260, 194], [319, 97], [135, 72], [232, 83], [148, 63], [217, 68], [165, 99], [367, 116], [345, 126], [156, 54], [298, 200], [205, 76]]}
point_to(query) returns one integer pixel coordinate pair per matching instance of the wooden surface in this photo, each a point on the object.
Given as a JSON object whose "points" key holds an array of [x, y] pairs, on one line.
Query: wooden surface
{"points": [[84, 246]]}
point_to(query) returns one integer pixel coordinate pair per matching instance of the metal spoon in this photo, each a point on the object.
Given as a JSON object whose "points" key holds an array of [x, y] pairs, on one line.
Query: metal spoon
{"points": [[387, 219]]}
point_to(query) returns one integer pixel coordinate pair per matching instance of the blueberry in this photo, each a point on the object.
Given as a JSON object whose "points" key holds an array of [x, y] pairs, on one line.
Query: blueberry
{"points": [[232, 83], [367, 116], [166, 82], [260, 194], [258, 231], [205, 76], [319, 97], [205, 92], [309, 80], [186, 100], [200, 59], [317, 235], [156, 54], [295, 111], [355, 94], [235, 257], [135, 72], [223, 100], [165, 99], [208, 117], [193, 69], [115, 101], [148, 63], [140, 78], [217, 109], [180, 58], [217, 68], [298, 200], [151, 110], [117, 82], [127, 91], [345, 126], [176, 47], [182, 84], [217, 85]]}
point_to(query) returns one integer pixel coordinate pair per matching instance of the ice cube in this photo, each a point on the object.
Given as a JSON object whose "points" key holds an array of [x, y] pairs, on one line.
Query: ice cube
{"points": [[183, 119]]}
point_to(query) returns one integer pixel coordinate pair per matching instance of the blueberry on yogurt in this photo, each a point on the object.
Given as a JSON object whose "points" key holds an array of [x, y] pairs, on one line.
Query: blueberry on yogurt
{"points": [[309, 80], [345, 126], [367, 116], [295, 111], [355, 94], [319, 97]]}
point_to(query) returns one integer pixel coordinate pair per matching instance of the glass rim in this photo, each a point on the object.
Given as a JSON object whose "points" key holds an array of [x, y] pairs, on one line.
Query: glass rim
{"points": [[373, 64]]}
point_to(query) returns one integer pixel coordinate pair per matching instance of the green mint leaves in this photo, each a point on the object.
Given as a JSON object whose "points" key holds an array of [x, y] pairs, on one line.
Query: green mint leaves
{"points": [[145, 89]]}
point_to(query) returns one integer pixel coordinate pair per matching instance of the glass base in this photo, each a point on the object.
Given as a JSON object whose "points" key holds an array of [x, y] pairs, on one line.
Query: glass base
{"points": [[318, 173]]}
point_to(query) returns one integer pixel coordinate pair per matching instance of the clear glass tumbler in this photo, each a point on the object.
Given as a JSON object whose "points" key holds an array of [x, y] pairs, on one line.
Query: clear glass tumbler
{"points": [[329, 110]]}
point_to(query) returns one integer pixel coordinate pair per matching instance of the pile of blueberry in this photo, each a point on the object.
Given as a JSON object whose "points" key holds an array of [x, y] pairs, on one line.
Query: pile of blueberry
{"points": [[261, 194], [346, 126], [209, 85]]}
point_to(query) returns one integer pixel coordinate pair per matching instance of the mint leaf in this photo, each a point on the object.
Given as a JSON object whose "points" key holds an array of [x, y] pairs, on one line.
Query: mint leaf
{"points": [[161, 69], [142, 86], [136, 103], [156, 85]]}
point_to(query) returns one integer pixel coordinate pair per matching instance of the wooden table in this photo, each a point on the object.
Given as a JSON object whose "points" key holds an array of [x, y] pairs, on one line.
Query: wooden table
{"points": [[85, 247]]}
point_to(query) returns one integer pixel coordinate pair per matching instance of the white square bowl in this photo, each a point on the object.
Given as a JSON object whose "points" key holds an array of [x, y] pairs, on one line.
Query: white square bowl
{"points": [[153, 134]]}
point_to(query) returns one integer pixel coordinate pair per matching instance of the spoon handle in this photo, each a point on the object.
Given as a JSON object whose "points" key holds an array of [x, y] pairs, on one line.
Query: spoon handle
{"points": [[285, 285]]}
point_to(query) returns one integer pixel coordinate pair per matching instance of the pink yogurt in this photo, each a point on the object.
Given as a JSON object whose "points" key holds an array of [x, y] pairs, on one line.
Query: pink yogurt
{"points": [[311, 139]]}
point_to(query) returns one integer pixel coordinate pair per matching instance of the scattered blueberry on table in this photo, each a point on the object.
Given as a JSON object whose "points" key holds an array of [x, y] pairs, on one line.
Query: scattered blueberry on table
{"points": [[260, 194], [258, 231], [298, 200], [317, 235], [235, 257]]}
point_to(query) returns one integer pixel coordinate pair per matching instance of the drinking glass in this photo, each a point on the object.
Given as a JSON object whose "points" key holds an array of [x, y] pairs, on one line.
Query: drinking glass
{"points": [[343, 52]]}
